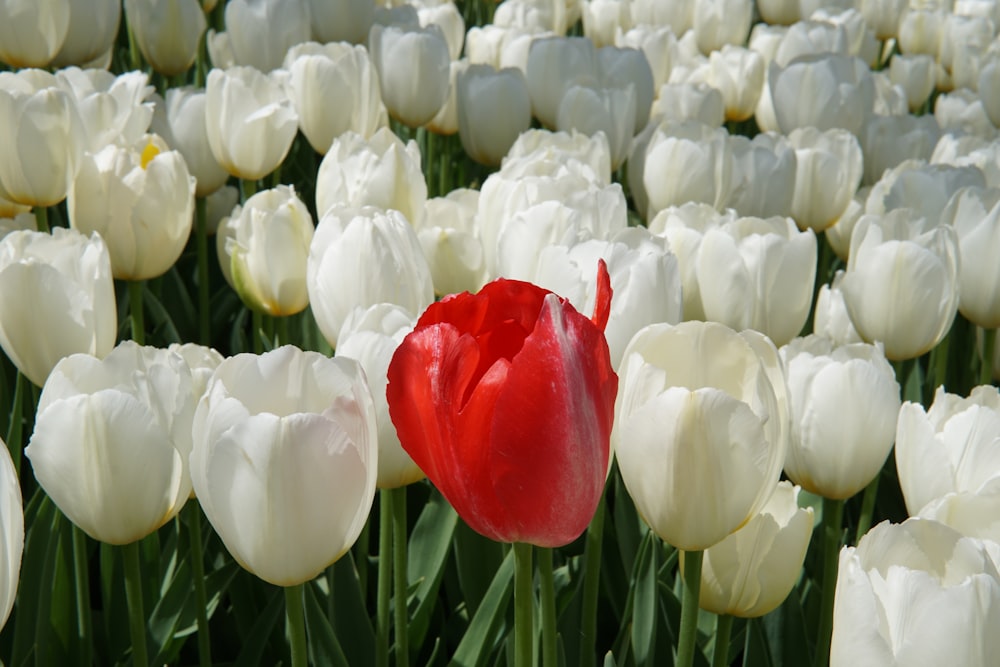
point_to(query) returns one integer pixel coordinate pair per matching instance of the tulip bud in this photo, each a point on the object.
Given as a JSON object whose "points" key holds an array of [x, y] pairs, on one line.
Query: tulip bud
{"points": [[738, 73], [450, 239], [113, 108], [610, 111], [752, 571], [823, 91], [721, 22], [571, 146], [61, 281], [413, 69], [184, 129], [810, 38], [975, 214], [132, 412], [678, 15], [249, 121], [893, 258], [295, 421], [844, 404], [915, 74], [602, 19], [892, 587], [685, 227], [686, 427], [141, 200], [266, 244], [370, 337], [555, 64], [887, 141], [259, 33], [341, 20], [623, 67], [375, 251], [518, 370], [493, 110], [962, 111], [93, 26], [923, 188], [883, 16], [988, 86], [831, 319], [316, 70], [168, 33], [687, 162], [657, 43], [447, 17], [779, 12], [32, 33], [758, 274], [763, 176], [37, 172], [380, 171], [950, 448], [828, 172]]}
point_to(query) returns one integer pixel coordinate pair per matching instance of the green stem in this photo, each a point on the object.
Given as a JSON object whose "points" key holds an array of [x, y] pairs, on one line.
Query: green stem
{"points": [[941, 363], [248, 187], [281, 331], [133, 594], [201, 596], [723, 631], [15, 427], [689, 608], [524, 602], [295, 624], [82, 576], [986, 364], [201, 239], [547, 593], [134, 56], [401, 620], [42, 219], [867, 509], [135, 311], [384, 580], [591, 587], [257, 321], [833, 515]]}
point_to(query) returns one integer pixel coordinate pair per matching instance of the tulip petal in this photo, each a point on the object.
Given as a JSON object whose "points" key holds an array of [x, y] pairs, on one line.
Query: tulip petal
{"points": [[132, 479], [561, 425], [287, 517]]}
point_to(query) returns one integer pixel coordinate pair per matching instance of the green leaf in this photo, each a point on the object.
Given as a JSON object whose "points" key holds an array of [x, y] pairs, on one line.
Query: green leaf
{"points": [[256, 639], [429, 546], [324, 649], [786, 633], [476, 558], [644, 604], [32, 588], [481, 636], [350, 615], [163, 324]]}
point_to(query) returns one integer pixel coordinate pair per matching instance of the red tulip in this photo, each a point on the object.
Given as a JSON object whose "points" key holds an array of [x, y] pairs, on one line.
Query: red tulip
{"points": [[505, 399]]}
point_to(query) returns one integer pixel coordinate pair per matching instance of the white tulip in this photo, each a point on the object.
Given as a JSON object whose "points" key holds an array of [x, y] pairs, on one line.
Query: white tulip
{"points": [[249, 121], [285, 459], [112, 439], [702, 413], [375, 251], [62, 282], [844, 403]]}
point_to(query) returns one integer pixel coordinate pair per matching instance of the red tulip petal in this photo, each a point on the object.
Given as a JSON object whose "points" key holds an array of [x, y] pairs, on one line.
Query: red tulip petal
{"points": [[551, 428], [430, 376], [602, 304]]}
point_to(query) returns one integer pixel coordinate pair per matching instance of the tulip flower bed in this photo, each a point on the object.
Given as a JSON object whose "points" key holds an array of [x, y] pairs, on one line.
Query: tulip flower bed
{"points": [[540, 332]]}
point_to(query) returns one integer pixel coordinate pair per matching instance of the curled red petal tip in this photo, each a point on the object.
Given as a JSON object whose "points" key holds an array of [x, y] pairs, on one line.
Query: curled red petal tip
{"points": [[602, 304]]}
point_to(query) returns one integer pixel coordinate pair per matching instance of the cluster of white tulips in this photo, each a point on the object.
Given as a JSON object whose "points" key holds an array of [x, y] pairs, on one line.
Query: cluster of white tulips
{"points": [[798, 206]]}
